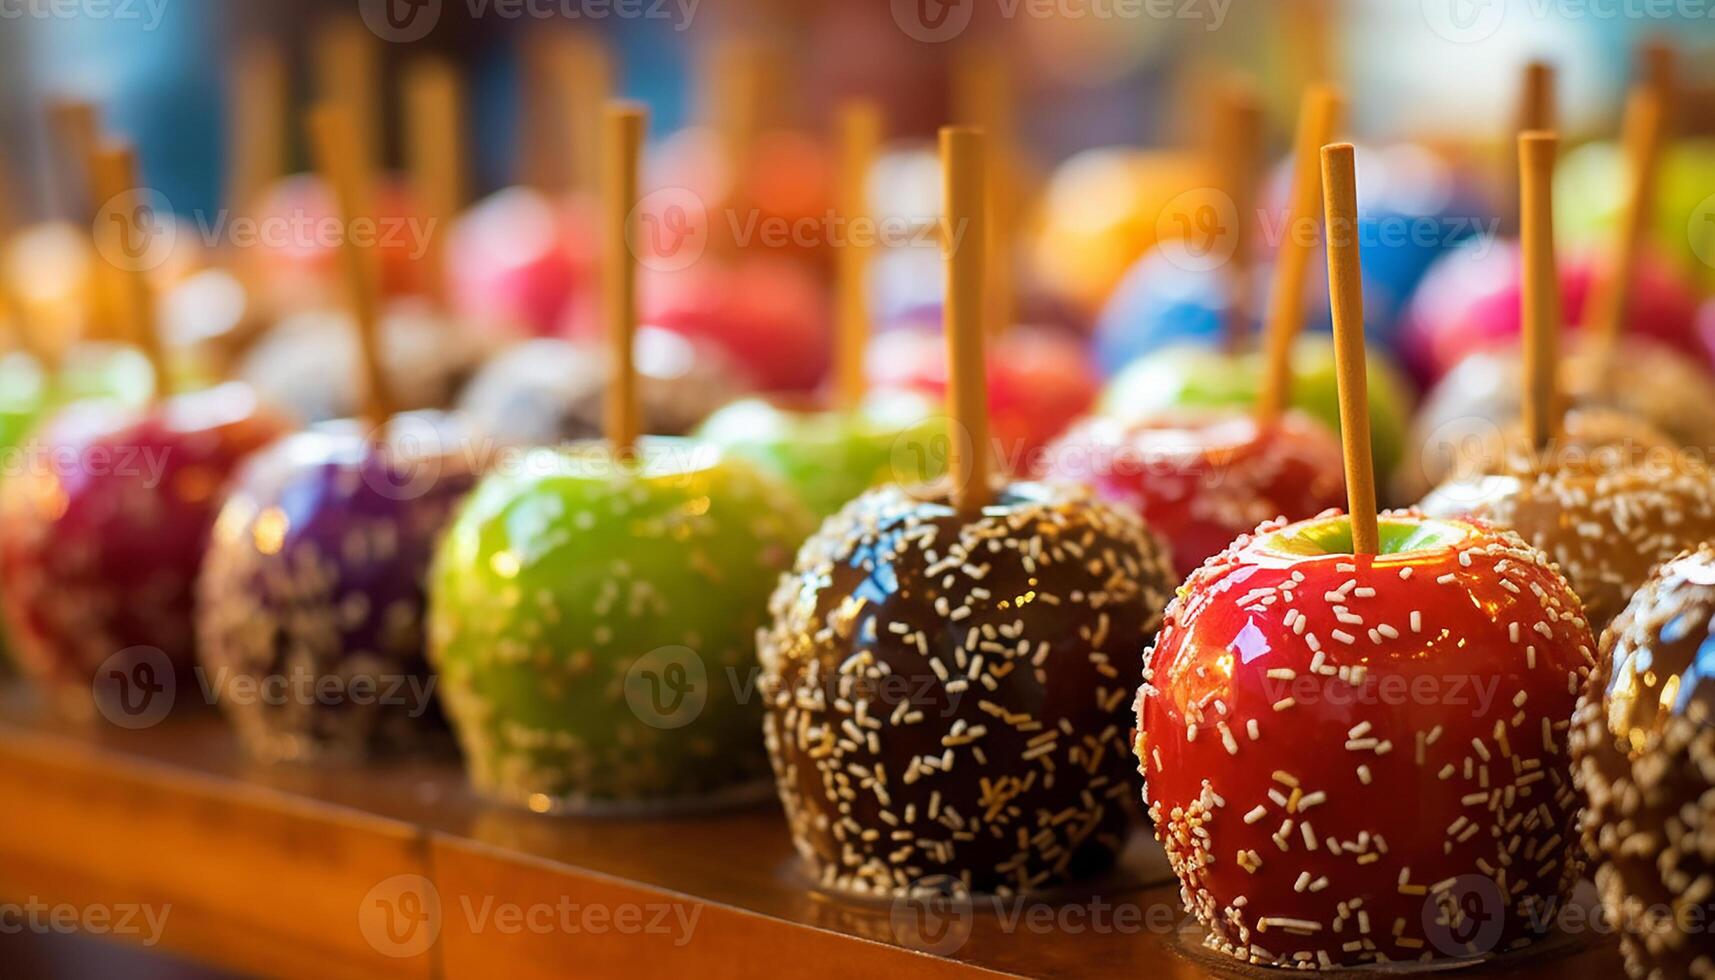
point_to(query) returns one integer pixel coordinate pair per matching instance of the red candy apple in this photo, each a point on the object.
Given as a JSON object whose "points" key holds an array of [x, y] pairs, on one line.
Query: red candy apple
{"points": [[300, 235], [1202, 478], [518, 258], [1357, 759], [102, 534]]}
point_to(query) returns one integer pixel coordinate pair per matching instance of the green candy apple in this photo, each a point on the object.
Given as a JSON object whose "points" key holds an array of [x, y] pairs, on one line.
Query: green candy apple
{"points": [[594, 625], [831, 457], [1196, 376]]}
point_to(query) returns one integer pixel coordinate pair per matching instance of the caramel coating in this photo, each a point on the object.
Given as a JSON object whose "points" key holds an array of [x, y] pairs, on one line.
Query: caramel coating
{"points": [[1643, 748], [948, 696]]}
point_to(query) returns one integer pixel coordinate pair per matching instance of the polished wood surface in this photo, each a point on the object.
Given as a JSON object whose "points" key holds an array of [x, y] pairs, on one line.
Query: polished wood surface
{"points": [[332, 872]]}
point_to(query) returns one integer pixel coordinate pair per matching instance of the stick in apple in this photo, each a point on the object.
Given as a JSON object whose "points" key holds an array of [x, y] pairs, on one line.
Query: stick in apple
{"points": [[983, 98], [333, 134], [348, 71], [257, 123], [1318, 117], [435, 129], [859, 137], [582, 71], [1346, 302], [1539, 297], [1605, 316], [623, 126], [964, 241], [113, 176]]}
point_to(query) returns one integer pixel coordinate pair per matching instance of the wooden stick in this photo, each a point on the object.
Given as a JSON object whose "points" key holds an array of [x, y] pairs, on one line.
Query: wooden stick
{"points": [[859, 138], [1536, 101], [963, 242], [348, 71], [983, 98], [1539, 298], [1605, 315], [76, 128], [1346, 301], [113, 176], [1318, 117], [743, 101], [332, 131], [1238, 152], [435, 144], [1658, 63], [256, 124], [581, 69], [623, 126]]}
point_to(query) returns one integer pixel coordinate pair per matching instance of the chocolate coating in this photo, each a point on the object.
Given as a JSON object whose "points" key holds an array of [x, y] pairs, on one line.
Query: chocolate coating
{"points": [[949, 696], [313, 589], [1643, 743]]}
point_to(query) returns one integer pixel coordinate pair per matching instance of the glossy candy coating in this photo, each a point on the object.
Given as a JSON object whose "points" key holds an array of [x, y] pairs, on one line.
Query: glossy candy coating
{"points": [[594, 626], [1204, 477], [1643, 742], [315, 582], [102, 539], [1335, 746], [947, 696], [830, 458]]}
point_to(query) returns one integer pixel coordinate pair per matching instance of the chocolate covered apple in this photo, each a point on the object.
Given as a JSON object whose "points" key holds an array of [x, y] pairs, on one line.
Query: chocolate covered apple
{"points": [[1642, 743], [946, 668]]}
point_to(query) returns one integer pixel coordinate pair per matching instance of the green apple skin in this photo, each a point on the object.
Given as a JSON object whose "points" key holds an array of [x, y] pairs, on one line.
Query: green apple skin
{"points": [[1194, 376], [829, 458], [1589, 194], [594, 626]]}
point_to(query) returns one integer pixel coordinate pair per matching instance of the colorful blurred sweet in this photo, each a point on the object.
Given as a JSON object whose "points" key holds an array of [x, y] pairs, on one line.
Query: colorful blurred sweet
{"points": [[1202, 477], [315, 585], [830, 457], [1470, 301], [101, 540], [517, 260], [776, 206], [767, 315], [1590, 193], [547, 391], [308, 363], [593, 624], [1039, 382], [1193, 376], [299, 238], [1103, 209]]}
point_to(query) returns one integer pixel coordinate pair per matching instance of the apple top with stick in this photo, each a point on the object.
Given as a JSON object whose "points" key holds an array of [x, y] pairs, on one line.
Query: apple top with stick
{"points": [[905, 585], [1314, 819], [593, 606], [1603, 495], [1207, 475]]}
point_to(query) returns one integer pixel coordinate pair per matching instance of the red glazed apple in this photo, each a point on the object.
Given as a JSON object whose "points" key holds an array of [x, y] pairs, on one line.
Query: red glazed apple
{"points": [[1204, 477], [299, 236], [102, 537], [518, 259], [1362, 759]]}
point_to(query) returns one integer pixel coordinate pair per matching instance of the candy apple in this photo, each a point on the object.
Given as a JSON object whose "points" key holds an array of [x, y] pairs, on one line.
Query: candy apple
{"points": [[1347, 755]]}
